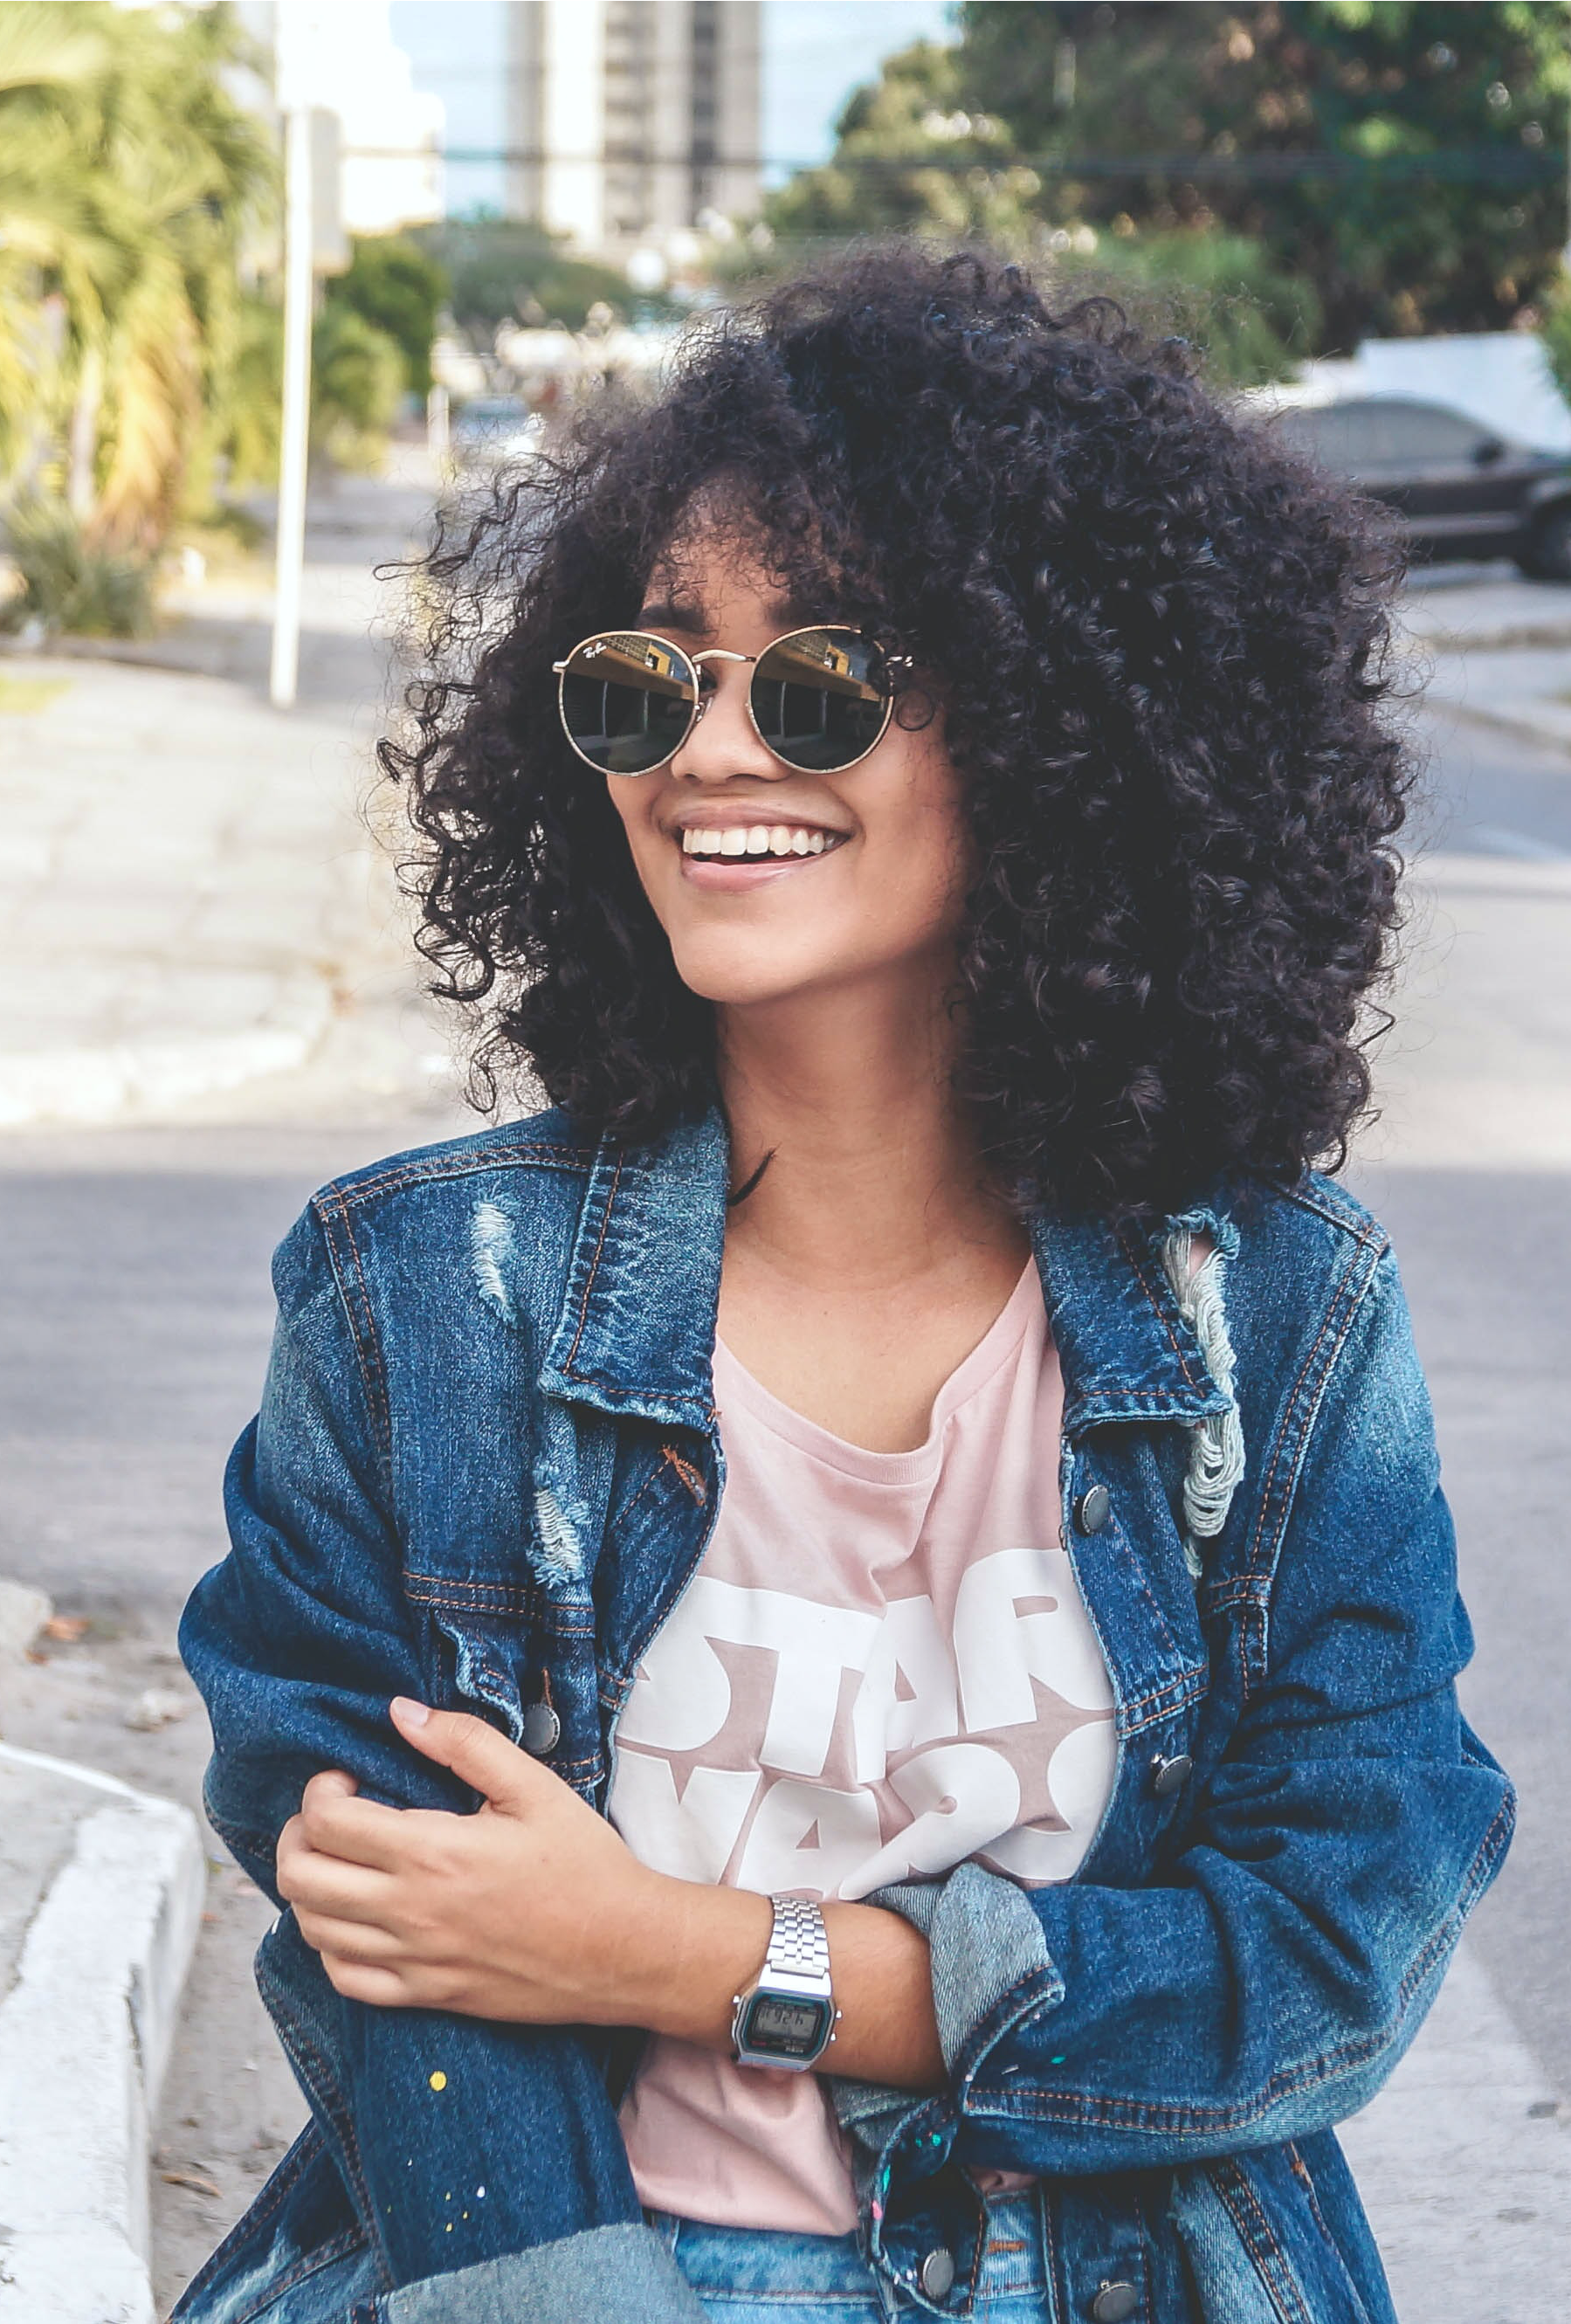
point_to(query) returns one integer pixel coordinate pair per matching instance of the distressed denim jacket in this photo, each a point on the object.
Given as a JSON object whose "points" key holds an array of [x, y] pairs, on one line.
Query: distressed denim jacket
{"points": [[485, 1468]]}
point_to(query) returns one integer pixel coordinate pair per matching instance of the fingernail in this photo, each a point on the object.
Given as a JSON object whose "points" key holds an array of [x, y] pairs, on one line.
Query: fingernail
{"points": [[409, 1713]]}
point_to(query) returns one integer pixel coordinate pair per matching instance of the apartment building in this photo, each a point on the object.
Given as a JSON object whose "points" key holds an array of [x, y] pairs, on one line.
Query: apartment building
{"points": [[629, 120]]}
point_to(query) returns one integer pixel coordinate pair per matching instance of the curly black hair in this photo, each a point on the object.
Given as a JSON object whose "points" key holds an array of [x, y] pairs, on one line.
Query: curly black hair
{"points": [[1161, 643]]}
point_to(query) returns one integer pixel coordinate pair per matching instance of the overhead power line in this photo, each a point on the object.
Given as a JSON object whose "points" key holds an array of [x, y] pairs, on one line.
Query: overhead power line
{"points": [[1502, 165]]}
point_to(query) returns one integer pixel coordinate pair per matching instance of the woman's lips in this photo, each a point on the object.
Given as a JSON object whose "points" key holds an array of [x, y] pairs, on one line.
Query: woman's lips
{"points": [[737, 872]]}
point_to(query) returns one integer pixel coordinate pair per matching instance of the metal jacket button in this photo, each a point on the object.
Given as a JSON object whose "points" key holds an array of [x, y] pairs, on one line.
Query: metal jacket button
{"points": [[1114, 2303], [542, 1730], [936, 2274], [1170, 1776], [1093, 1508]]}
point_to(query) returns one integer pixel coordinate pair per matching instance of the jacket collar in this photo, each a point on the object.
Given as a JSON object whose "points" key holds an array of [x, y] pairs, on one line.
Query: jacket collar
{"points": [[636, 1334]]}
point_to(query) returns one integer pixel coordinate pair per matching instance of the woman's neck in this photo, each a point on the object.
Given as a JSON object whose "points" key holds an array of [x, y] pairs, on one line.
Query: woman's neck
{"points": [[876, 1174]]}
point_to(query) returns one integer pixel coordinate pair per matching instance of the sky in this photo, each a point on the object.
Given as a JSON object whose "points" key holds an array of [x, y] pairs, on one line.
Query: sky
{"points": [[815, 52]]}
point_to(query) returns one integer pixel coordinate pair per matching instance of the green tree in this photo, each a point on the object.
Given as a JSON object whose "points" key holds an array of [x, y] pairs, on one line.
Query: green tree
{"points": [[916, 153], [357, 382], [910, 154], [129, 176], [1253, 321], [398, 287], [511, 271], [1404, 160]]}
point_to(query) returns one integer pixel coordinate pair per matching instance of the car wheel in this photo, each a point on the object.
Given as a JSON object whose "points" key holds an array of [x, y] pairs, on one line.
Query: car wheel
{"points": [[1547, 555]]}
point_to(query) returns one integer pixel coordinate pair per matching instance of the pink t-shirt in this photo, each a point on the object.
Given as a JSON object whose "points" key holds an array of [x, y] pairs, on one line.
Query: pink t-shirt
{"points": [[882, 1667]]}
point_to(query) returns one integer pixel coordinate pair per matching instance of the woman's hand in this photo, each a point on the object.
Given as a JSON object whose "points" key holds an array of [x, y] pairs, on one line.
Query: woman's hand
{"points": [[532, 1911]]}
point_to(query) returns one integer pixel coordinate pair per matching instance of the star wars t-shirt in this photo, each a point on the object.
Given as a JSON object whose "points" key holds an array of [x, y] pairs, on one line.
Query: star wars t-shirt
{"points": [[882, 1667]]}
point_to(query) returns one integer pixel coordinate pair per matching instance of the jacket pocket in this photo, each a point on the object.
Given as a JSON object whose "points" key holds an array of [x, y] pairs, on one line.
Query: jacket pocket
{"points": [[298, 2252], [1258, 2247], [491, 1669]]}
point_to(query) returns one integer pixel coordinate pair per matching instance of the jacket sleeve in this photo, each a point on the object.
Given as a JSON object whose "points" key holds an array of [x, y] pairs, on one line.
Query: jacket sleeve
{"points": [[1266, 1983], [297, 1641]]}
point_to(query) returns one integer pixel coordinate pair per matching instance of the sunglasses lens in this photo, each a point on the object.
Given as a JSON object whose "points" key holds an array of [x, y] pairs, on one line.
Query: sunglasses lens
{"points": [[628, 701], [822, 698]]}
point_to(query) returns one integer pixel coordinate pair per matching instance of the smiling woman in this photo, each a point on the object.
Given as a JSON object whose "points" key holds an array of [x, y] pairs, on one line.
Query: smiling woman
{"points": [[840, 1651]]}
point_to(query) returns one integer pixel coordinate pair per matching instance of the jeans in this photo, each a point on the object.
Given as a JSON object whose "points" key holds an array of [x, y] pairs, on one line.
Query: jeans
{"points": [[759, 2275]]}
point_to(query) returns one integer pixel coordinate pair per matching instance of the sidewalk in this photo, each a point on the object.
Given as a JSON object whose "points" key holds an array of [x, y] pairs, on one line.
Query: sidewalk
{"points": [[190, 898], [1494, 649]]}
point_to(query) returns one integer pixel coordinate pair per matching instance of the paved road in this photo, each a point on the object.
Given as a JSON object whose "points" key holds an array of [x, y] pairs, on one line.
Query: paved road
{"points": [[134, 1312], [1494, 794]]}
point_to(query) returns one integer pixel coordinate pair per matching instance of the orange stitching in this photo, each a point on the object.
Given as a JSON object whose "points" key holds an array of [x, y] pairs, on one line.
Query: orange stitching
{"points": [[691, 1477], [616, 1178]]}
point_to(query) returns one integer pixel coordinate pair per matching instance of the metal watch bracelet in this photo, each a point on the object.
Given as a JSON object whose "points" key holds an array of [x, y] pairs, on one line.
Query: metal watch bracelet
{"points": [[786, 2016]]}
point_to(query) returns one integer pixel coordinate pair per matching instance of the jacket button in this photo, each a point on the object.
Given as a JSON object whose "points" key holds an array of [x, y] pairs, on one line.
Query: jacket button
{"points": [[542, 1730], [1093, 1509], [1170, 1776], [936, 2274], [1114, 2303]]}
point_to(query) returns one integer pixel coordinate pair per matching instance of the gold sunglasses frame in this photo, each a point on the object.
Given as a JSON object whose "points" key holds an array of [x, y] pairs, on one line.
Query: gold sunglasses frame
{"points": [[722, 653]]}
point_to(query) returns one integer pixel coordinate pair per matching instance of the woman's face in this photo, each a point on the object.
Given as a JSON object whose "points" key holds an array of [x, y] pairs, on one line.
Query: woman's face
{"points": [[883, 899]]}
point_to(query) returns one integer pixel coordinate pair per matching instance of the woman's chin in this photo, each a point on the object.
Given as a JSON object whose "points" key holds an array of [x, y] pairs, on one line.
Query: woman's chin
{"points": [[730, 982]]}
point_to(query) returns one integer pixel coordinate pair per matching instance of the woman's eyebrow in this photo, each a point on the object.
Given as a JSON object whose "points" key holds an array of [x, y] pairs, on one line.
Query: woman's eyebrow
{"points": [[690, 618]]}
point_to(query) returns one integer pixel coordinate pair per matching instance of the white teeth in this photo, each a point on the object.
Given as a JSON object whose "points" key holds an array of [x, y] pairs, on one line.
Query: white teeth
{"points": [[756, 839]]}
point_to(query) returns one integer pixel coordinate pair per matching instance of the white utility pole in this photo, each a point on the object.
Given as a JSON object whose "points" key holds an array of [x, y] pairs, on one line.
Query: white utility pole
{"points": [[294, 441]]}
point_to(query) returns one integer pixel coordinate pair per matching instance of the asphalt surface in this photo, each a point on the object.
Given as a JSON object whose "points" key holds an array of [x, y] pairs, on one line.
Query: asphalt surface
{"points": [[134, 1316]]}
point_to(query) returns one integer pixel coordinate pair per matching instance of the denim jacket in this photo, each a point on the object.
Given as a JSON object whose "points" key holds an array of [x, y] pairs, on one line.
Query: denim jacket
{"points": [[486, 1466]]}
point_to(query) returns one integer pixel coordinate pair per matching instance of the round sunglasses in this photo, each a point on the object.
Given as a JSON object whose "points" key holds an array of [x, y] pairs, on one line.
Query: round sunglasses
{"points": [[820, 699]]}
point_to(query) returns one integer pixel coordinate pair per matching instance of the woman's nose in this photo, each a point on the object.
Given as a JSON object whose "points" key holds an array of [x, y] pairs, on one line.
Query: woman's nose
{"points": [[722, 740]]}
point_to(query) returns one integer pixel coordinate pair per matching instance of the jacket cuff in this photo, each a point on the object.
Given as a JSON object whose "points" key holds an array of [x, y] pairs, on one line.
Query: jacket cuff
{"points": [[984, 1943], [603, 2276], [984, 1939]]}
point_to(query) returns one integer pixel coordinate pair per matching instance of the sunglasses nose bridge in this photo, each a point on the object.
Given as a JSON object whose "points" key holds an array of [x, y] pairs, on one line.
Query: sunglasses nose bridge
{"points": [[733, 744]]}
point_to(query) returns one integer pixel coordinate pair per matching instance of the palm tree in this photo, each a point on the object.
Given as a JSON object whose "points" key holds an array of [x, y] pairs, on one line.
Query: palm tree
{"points": [[130, 179]]}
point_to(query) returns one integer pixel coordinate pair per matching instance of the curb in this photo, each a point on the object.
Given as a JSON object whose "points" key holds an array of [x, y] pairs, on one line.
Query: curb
{"points": [[107, 1085], [1557, 735], [84, 2036]]}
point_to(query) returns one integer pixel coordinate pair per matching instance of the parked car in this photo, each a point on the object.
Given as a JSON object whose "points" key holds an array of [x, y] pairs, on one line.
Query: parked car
{"points": [[1461, 490], [491, 430]]}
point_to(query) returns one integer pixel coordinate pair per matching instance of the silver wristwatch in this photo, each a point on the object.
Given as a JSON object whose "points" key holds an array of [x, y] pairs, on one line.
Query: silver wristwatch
{"points": [[787, 2017]]}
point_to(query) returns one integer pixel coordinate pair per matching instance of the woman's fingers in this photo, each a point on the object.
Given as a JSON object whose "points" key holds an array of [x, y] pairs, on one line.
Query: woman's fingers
{"points": [[360, 1832], [317, 1883], [363, 1943], [476, 1754], [384, 1988]]}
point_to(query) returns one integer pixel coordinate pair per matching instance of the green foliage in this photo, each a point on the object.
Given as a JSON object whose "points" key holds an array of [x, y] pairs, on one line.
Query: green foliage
{"points": [[69, 582], [915, 153], [394, 284], [253, 408], [909, 155], [129, 178], [357, 379], [1555, 332], [507, 271], [1253, 322], [1443, 207], [357, 384]]}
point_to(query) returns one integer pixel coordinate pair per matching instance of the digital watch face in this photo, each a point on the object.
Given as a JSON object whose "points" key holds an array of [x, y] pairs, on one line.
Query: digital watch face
{"points": [[779, 2027]]}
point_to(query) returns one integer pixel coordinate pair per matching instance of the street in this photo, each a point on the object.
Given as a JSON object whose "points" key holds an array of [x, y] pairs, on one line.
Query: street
{"points": [[135, 1310]]}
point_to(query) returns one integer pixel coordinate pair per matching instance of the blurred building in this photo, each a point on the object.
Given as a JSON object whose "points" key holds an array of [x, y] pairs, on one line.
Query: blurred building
{"points": [[631, 122]]}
